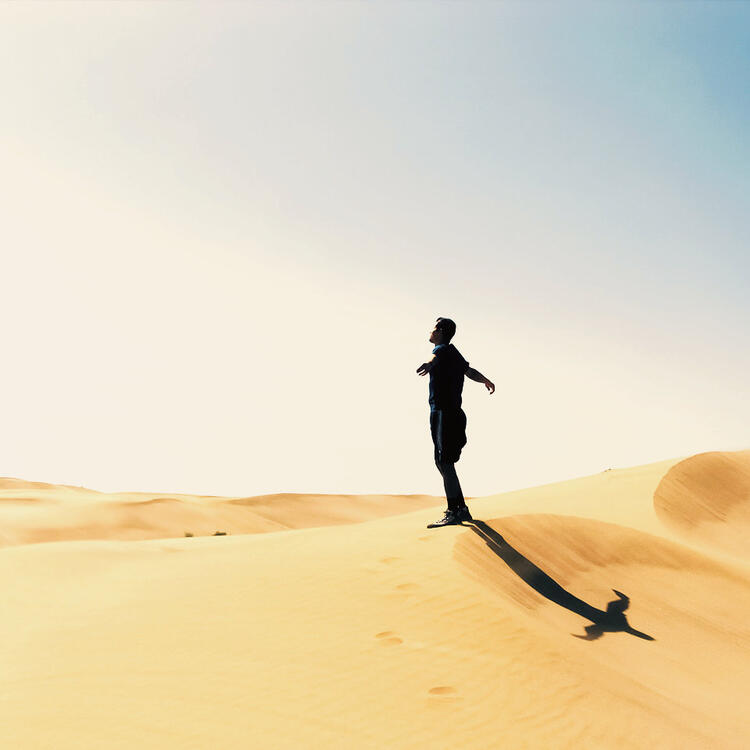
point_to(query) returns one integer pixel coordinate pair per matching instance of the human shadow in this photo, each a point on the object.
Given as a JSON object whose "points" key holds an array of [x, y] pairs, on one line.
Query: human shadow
{"points": [[610, 620]]}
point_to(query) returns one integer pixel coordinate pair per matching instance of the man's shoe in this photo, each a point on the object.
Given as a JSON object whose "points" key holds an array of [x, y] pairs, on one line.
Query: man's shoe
{"points": [[462, 514], [448, 519]]}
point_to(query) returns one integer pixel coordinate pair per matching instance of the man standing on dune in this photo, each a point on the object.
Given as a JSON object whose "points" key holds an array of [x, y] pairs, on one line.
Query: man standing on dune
{"points": [[447, 420]]}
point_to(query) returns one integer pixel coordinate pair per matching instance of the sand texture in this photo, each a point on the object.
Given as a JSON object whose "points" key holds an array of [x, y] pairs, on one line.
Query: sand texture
{"points": [[610, 611]]}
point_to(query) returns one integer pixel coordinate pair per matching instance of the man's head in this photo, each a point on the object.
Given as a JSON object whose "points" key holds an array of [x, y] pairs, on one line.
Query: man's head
{"points": [[443, 331]]}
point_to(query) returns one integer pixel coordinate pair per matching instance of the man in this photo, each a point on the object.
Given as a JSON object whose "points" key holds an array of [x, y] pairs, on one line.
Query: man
{"points": [[447, 420]]}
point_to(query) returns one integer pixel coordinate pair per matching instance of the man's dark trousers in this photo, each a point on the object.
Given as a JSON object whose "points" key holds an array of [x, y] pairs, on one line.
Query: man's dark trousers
{"points": [[448, 429]]}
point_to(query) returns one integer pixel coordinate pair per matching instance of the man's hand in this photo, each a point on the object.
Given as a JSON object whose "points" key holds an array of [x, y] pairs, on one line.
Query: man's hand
{"points": [[489, 385], [423, 369]]}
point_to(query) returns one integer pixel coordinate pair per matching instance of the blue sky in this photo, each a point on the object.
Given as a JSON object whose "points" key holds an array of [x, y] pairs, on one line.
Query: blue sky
{"points": [[230, 227]]}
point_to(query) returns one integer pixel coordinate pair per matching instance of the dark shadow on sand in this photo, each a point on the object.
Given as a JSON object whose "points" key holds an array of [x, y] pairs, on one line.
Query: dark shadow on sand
{"points": [[611, 620]]}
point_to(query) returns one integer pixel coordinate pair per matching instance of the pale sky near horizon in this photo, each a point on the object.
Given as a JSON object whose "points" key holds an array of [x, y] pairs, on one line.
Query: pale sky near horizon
{"points": [[228, 228]]}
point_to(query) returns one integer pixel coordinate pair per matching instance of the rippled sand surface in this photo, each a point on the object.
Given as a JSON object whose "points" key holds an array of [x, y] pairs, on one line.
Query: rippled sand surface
{"points": [[604, 612]]}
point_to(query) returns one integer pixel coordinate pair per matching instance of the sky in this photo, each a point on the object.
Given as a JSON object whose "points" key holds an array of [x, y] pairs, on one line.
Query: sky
{"points": [[227, 229]]}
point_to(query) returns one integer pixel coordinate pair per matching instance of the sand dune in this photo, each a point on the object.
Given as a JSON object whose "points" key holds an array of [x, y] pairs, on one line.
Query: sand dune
{"points": [[574, 615], [9, 483], [707, 498], [26, 515]]}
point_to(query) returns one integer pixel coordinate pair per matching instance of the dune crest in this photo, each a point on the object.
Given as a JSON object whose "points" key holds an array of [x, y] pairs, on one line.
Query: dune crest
{"points": [[10, 483], [706, 498]]}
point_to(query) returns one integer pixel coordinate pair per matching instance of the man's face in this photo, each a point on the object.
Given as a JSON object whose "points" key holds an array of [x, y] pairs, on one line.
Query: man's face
{"points": [[436, 337]]}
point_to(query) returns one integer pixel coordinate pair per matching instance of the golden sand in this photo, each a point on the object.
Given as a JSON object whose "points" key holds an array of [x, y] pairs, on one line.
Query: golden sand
{"points": [[604, 612]]}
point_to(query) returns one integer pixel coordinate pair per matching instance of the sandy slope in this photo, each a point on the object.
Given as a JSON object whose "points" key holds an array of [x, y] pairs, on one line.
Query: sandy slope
{"points": [[384, 634], [707, 500], [37, 512]]}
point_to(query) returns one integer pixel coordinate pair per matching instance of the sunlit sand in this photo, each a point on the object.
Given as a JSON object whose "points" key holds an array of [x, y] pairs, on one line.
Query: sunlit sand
{"points": [[609, 611]]}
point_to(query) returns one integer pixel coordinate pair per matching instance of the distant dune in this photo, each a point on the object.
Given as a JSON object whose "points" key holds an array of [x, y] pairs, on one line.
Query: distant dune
{"points": [[610, 611], [26, 515], [8, 483]]}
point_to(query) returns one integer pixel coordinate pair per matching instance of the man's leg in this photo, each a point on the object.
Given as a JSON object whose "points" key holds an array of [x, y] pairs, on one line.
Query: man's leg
{"points": [[441, 436], [435, 430], [453, 493]]}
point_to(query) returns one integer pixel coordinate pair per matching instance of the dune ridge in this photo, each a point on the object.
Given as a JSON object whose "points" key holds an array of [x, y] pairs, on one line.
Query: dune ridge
{"points": [[26, 515], [573, 615], [706, 498]]}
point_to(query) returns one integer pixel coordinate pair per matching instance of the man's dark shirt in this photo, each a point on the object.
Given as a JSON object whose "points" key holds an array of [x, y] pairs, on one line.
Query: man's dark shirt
{"points": [[447, 378]]}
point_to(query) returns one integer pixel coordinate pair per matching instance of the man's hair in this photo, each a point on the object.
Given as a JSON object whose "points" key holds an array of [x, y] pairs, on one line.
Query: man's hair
{"points": [[448, 327]]}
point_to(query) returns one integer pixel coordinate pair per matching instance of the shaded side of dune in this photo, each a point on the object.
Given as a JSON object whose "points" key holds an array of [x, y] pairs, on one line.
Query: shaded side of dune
{"points": [[514, 552], [706, 498], [641, 617]]}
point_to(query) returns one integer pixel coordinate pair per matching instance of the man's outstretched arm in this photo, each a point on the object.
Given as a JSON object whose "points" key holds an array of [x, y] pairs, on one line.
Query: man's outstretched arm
{"points": [[477, 376], [423, 369]]}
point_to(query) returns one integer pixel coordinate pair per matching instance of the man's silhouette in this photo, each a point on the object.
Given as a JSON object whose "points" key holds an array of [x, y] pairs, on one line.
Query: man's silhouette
{"points": [[447, 420]]}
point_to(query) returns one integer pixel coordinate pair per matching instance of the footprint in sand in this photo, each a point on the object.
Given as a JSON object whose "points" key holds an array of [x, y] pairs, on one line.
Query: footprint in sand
{"points": [[407, 586], [388, 638], [389, 560], [427, 538], [443, 691]]}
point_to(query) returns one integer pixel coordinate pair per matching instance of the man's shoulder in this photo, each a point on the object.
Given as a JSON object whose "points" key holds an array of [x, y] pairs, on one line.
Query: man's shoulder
{"points": [[449, 354], [458, 358]]}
